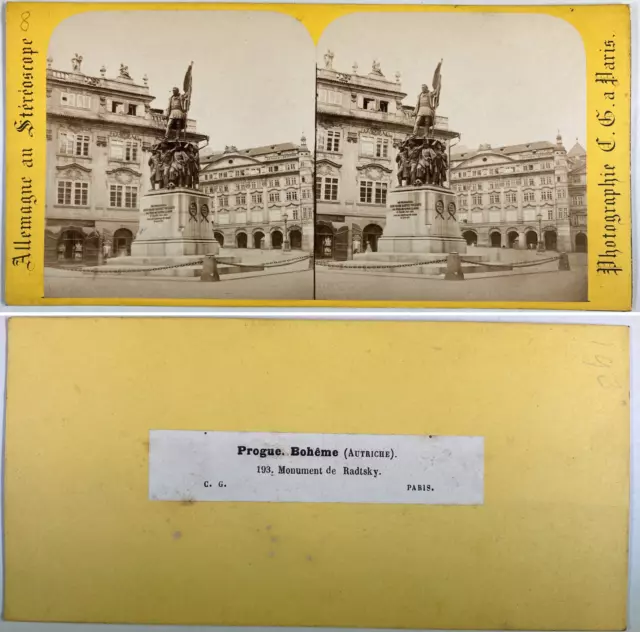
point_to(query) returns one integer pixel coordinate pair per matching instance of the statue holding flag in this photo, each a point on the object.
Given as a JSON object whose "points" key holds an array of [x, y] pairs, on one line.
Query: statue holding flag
{"points": [[176, 113], [425, 111], [175, 162]]}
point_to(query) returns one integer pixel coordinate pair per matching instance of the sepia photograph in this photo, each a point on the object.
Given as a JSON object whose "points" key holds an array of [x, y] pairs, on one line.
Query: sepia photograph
{"points": [[180, 149], [450, 160]]}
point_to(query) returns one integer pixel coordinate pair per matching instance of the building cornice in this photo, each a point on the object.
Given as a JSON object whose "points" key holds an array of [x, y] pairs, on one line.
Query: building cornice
{"points": [[73, 165], [133, 122]]}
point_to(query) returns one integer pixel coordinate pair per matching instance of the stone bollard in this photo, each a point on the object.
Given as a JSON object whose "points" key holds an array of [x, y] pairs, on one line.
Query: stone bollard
{"points": [[563, 262], [311, 262], [454, 268], [210, 269]]}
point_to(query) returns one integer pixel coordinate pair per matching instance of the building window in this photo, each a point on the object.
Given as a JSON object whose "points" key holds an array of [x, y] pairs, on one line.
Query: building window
{"points": [[132, 109], [531, 182], [384, 106], [326, 188], [306, 194], [561, 193], [477, 200], [463, 201], [292, 195], [494, 198], [366, 191], [577, 200], [369, 103], [295, 214], [330, 96], [506, 184], [547, 165], [256, 198], [274, 196], [373, 192], [529, 196], [121, 196], [381, 193], [67, 143], [74, 144], [366, 146], [241, 198], [117, 107], [239, 172], [73, 193], [291, 180], [131, 151], [274, 168], [123, 150], [274, 183], [382, 147], [75, 100], [224, 200], [512, 197], [547, 195], [550, 214], [332, 140]]}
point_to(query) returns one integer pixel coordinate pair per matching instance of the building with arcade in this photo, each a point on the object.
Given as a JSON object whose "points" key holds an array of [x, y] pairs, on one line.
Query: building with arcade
{"points": [[517, 195], [261, 197]]}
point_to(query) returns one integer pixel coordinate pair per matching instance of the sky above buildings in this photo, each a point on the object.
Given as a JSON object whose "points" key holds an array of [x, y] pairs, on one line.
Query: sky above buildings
{"points": [[507, 78], [253, 72]]}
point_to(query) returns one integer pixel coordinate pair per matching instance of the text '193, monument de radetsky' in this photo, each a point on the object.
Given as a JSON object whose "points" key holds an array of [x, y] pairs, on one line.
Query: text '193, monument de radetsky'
{"points": [[421, 222], [175, 219]]}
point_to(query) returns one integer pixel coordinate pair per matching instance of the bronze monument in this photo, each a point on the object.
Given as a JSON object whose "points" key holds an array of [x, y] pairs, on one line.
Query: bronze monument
{"points": [[422, 159], [175, 163]]}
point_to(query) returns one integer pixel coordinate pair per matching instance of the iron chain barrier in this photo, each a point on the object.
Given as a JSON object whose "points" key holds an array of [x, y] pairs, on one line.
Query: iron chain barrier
{"points": [[378, 266], [268, 264], [521, 264]]}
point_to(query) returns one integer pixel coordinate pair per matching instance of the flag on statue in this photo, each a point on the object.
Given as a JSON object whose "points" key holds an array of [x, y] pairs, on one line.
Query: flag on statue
{"points": [[186, 88], [437, 84]]}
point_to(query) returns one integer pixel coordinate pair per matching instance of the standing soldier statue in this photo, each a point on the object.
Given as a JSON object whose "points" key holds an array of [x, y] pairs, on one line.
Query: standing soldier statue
{"points": [[425, 111], [176, 113]]}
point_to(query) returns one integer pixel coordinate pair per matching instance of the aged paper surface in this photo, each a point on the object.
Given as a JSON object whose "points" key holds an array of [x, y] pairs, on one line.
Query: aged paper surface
{"points": [[546, 548], [451, 156]]}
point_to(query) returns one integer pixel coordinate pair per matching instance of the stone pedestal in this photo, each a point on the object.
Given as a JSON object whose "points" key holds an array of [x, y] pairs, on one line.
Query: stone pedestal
{"points": [[174, 224], [421, 221]]}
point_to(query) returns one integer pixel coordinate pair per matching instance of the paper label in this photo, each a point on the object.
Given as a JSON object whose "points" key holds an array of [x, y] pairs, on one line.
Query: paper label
{"points": [[189, 465]]}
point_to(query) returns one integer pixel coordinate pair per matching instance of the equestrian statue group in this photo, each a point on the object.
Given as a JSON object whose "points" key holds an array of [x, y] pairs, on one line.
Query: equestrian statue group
{"points": [[423, 159], [175, 163]]}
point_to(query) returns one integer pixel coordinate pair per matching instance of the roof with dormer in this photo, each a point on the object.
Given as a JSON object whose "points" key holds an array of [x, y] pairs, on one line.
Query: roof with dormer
{"points": [[506, 150], [252, 152]]}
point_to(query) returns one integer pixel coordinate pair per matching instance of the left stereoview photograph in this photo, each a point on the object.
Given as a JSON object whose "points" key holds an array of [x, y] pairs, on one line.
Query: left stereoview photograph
{"points": [[180, 149]]}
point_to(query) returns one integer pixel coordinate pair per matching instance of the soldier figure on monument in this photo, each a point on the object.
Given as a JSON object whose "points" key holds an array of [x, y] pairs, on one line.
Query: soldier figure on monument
{"points": [[425, 111], [176, 112], [403, 164]]}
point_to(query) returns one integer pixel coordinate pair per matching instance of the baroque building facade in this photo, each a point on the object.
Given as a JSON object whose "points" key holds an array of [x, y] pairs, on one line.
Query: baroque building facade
{"points": [[360, 122], [99, 133], [518, 196], [261, 197]]}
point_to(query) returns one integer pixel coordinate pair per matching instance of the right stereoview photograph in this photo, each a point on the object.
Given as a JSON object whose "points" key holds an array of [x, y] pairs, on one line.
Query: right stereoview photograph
{"points": [[450, 160]]}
